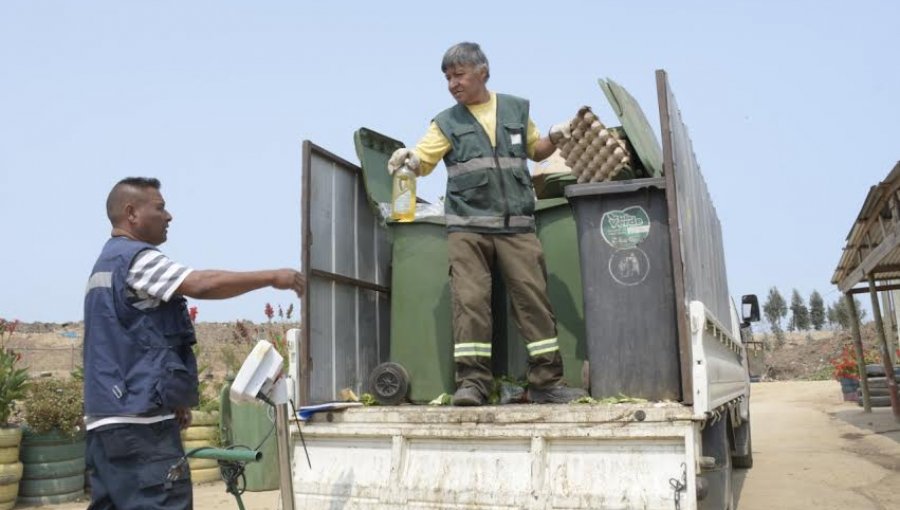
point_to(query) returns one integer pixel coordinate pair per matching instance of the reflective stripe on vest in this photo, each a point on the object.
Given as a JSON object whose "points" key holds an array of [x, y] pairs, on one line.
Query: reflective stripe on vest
{"points": [[97, 280], [489, 221], [483, 164]]}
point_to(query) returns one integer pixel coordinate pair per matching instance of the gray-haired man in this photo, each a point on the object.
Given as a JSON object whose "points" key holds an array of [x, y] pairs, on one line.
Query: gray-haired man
{"points": [[485, 140]]}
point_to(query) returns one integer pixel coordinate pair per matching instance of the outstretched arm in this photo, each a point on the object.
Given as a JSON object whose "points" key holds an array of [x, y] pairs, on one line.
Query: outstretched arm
{"points": [[214, 284]]}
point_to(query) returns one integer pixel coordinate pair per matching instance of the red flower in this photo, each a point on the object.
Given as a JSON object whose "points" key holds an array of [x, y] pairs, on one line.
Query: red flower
{"points": [[192, 311], [270, 312]]}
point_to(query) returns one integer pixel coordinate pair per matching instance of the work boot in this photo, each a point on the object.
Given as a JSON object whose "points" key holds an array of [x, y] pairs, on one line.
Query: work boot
{"points": [[558, 394], [467, 396]]}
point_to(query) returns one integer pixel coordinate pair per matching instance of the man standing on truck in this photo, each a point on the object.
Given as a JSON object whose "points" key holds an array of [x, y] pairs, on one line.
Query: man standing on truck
{"points": [[484, 141], [140, 373]]}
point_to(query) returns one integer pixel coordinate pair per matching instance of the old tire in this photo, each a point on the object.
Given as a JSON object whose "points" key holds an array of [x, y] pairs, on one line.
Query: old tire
{"points": [[389, 383], [9, 454], [196, 443], [207, 432], [55, 499], [61, 469], [8, 492], [10, 436], [205, 475], [196, 464], [51, 486], [10, 473], [199, 418]]}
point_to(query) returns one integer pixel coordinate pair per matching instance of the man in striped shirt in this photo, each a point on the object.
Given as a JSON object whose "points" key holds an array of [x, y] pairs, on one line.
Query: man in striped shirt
{"points": [[140, 373]]}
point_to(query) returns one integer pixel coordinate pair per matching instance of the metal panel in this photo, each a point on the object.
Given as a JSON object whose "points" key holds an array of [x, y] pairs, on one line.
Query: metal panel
{"points": [[702, 251], [346, 256]]}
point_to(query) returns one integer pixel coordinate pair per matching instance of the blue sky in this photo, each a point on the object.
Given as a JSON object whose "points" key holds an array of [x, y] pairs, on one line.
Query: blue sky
{"points": [[792, 108]]}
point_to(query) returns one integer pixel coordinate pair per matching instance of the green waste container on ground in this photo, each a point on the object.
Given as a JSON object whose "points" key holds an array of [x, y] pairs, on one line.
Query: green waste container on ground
{"points": [[251, 425], [557, 232]]}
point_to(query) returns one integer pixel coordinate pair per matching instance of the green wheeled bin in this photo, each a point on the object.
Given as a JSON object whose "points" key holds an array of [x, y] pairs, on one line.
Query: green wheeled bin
{"points": [[557, 233], [250, 425]]}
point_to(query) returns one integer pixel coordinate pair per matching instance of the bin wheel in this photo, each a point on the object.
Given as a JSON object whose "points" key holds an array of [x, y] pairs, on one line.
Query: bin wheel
{"points": [[389, 383]]}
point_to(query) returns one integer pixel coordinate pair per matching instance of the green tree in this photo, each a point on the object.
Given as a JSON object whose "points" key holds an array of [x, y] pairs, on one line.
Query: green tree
{"points": [[775, 309], [816, 310], [799, 312], [839, 313]]}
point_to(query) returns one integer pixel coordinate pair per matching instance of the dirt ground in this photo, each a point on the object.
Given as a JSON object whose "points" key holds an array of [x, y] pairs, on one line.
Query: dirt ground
{"points": [[814, 452], [811, 452]]}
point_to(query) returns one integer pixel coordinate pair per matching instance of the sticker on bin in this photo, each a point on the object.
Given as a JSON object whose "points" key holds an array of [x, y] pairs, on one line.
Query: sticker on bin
{"points": [[629, 267], [625, 228]]}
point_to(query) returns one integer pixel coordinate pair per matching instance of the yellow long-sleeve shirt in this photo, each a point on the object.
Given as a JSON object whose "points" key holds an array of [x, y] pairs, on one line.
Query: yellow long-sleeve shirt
{"points": [[433, 146]]}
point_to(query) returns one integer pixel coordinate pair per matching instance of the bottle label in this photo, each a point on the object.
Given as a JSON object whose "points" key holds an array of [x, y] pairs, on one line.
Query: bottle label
{"points": [[403, 202]]}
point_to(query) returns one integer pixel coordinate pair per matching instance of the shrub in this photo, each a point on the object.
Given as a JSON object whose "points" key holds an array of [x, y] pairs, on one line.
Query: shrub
{"points": [[13, 380], [55, 405]]}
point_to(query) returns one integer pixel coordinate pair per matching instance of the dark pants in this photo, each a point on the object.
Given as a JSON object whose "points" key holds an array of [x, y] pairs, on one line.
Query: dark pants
{"points": [[521, 260], [129, 465]]}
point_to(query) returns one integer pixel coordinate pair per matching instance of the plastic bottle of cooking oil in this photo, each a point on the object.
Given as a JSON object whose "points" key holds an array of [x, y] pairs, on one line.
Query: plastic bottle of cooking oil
{"points": [[403, 198]]}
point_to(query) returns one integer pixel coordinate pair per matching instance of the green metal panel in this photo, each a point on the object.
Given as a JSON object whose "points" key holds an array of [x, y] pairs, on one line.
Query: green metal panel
{"points": [[374, 149], [557, 233], [639, 131]]}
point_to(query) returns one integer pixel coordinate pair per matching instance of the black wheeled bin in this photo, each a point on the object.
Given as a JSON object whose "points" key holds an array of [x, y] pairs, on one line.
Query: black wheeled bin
{"points": [[629, 297]]}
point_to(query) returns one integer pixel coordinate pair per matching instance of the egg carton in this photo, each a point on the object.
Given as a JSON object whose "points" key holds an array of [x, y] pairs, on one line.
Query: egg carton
{"points": [[596, 153]]}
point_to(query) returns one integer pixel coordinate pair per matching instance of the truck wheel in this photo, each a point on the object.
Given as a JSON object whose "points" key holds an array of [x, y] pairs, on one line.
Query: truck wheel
{"points": [[389, 383], [745, 461], [716, 445]]}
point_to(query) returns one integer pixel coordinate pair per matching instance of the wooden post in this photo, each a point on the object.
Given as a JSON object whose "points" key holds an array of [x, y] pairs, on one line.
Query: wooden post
{"points": [[858, 347], [885, 355]]}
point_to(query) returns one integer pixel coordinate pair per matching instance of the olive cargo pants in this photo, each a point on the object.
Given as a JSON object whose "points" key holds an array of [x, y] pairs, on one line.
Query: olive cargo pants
{"points": [[521, 260]]}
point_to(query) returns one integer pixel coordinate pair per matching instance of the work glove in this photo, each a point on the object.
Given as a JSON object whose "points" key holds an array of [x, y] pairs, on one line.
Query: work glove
{"points": [[402, 157], [560, 132]]}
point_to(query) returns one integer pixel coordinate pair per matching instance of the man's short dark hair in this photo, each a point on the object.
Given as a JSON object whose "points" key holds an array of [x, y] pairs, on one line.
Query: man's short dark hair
{"points": [[465, 53], [139, 182], [117, 193]]}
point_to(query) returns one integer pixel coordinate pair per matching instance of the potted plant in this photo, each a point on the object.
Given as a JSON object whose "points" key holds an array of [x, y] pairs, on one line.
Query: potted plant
{"points": [[52, 450], [13, 384], [846, 371]]}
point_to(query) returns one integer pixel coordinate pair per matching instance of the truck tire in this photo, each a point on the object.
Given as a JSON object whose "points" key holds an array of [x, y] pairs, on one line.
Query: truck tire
{"points": [[716, 444], [745, 461]]}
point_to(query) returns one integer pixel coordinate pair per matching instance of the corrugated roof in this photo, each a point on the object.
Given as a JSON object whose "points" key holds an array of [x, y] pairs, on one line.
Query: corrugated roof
{"points": [[873, 243]]}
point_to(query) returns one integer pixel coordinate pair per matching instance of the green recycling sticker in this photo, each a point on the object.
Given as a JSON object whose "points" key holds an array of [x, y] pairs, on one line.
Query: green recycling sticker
{"points": [[625, 228]]}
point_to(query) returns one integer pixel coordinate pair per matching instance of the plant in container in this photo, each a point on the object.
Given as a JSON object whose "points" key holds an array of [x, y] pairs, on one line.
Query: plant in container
{"points": [[13, 385], [53, 442]]}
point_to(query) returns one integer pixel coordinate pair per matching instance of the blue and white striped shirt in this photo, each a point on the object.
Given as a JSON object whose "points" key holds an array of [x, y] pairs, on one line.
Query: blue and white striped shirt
{"points": [[153, 278]]}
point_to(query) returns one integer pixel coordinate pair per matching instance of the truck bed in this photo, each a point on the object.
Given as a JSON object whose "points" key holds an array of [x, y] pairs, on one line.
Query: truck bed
{"points": [[498, 457]]}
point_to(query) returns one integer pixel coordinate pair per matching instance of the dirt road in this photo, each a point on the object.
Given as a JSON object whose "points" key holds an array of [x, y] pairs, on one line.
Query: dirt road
{"points": [[811, 452]]}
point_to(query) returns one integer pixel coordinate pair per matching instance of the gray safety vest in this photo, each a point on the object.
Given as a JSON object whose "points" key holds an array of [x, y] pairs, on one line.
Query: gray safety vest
{"points": [[489, 189]]}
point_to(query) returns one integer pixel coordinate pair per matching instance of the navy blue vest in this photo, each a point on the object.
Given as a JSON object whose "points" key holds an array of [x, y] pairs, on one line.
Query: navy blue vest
{"points": [[136, 362]]}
